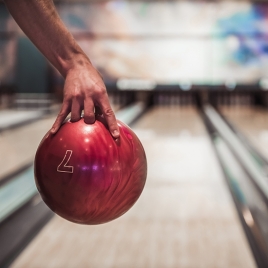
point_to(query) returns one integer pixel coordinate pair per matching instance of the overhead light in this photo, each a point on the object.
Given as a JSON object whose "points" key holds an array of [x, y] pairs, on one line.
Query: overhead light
{"points": [[230, 84], [264, 83], [185, 85], [135, 84]]}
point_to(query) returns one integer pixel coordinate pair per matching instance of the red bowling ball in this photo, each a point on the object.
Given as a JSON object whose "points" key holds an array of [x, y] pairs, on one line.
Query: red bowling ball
{"points": [[86, 176]]}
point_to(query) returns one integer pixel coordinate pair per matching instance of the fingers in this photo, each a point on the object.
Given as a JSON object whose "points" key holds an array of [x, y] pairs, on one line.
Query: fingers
{"points": [[65, 109], [109, 117], [98, 110], [89, 116], [76, 110]]}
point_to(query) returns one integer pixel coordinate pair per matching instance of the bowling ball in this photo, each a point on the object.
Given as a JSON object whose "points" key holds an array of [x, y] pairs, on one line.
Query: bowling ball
{"points": [[86, 176]]}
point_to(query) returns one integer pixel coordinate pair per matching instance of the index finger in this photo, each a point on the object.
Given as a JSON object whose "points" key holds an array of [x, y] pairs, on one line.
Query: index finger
{"points": [[65, 110]]}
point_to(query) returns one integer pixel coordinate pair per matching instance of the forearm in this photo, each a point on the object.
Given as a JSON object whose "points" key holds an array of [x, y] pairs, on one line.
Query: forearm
{"points": [[41, 23], [84, 88]]}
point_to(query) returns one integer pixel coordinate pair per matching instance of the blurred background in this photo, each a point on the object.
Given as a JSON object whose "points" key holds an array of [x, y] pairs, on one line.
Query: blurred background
{"points": [[191, 79]]}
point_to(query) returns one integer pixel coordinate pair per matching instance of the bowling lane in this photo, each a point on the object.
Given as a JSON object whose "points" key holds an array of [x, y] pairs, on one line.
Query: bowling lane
{"points": [[252, 122], [184, 218], [19, 145]]}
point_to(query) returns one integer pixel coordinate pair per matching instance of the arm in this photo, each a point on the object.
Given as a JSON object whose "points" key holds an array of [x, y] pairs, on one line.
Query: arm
{"points": [[84, 87]]}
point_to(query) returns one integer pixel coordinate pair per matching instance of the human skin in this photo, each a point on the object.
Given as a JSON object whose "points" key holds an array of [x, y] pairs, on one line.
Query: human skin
{"points": [[84, 88]]}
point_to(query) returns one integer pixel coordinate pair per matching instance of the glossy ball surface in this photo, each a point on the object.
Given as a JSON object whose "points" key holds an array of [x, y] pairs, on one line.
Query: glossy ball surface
{"points": [[86, 176]]}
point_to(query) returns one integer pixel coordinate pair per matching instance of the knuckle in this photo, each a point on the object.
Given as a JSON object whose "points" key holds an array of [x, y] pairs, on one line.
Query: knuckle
{"points": [[61, 114], [77, 95], [100, 91], [89, 115], [109, 112]]}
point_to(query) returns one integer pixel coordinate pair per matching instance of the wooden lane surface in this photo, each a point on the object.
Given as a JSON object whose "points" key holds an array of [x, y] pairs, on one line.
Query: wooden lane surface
{"points": [[18, 146], [184, 218], [252, 122]]}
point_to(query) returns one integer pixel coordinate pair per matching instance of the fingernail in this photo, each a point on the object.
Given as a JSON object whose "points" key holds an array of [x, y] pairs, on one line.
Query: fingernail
{"points": [[53, 130], [115, 133]]}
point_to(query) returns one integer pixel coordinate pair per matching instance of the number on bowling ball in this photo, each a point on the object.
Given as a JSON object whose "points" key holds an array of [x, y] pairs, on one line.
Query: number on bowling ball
{"points": [[62, 167]]}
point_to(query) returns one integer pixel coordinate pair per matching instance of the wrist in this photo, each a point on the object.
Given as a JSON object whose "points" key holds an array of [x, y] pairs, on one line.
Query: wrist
{"points": [[76, 61]]}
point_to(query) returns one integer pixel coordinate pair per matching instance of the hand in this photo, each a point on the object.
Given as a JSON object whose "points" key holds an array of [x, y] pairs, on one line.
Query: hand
{"points": [[84, 90]]}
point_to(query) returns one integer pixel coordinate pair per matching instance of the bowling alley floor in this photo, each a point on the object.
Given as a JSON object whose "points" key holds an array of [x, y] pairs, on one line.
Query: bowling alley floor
{"points": [[184, 218], [18, 145], [252, 122]]}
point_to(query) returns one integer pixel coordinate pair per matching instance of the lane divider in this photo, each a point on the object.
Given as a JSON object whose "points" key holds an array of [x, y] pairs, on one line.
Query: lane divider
{"points": [[239, 149]]}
